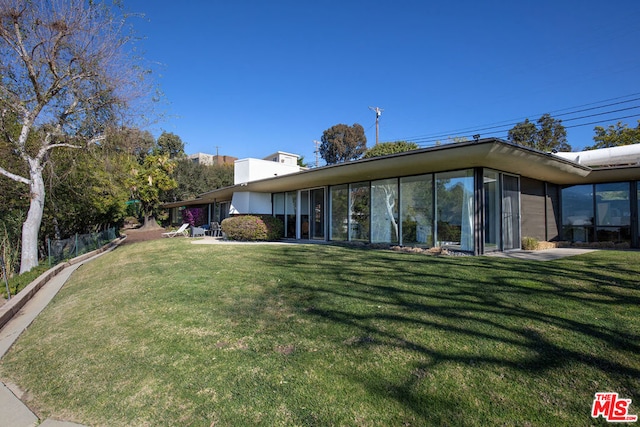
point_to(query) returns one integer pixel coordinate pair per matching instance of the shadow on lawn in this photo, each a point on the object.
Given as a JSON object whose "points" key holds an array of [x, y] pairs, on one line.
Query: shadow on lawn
{"points": [[509, 303]]}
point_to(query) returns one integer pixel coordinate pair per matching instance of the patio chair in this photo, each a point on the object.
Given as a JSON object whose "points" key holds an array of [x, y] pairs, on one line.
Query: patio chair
{"points": [[182, 230], [197, 231], [215, 230]]}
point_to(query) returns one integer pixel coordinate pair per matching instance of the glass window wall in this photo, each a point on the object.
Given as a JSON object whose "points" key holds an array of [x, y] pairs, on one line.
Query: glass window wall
{"points": [[613, 212], [416, 210], [510, 212], [384, 211], [492, 209], [454, 210], [577, 213], [317, 206], [304, 214], [339, 200], [359, 211], [278, 206], [290, 214]]}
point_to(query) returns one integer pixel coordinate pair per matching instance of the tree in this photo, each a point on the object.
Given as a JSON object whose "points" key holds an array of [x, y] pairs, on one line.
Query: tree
{"points": [[386, 148], [148, 179], [341, 143], [193, 179], [171, 144], [614, 136], [86, 190], [549, 134], [130, 140], [62, 78]]}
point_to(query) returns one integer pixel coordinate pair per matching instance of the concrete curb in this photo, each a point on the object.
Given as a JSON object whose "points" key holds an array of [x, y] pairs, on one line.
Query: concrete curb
{"points": [[15, 304], [17, 314]]}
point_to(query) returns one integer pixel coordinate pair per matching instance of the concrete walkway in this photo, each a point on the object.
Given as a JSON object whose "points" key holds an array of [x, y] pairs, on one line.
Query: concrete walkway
{"points": [[14, 412], [543, 255]]}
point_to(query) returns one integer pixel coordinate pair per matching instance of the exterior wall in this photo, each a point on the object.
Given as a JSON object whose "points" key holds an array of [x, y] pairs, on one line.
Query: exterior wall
{"points": [[533, 208], [540, 209], [247, 170], [251, 203], [553, 213], [282, 157]]}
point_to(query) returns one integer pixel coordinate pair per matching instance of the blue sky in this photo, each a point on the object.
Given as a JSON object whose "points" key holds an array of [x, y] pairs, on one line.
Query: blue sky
{"points": [[250, 77]]}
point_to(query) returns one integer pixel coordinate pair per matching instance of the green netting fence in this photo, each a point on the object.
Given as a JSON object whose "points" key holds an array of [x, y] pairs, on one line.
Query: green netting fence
{"points": [[60, 250]]}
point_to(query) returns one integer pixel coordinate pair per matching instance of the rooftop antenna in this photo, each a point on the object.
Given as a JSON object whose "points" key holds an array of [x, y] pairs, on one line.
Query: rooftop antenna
{"points": [[378, 112]]}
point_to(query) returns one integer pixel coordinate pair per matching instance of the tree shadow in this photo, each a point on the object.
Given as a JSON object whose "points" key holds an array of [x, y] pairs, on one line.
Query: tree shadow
{"points": [[504, 302]]}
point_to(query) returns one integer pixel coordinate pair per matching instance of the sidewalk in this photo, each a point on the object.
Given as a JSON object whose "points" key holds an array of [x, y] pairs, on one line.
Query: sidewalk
{"points": [[542, 255], [14, 412]]}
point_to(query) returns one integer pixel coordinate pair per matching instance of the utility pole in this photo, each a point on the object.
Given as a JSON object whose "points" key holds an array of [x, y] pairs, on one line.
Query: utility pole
{"points": [[317, 151], [378, 112]]}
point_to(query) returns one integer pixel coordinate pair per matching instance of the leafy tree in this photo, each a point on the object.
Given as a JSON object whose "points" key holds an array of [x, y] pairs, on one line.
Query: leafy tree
{"points": [[193, 179], [614, 136], [62, 78], [171, 144], [87, 191], [341, 143], [133, 141], [386, 148], [146, 182], [549, 134]]}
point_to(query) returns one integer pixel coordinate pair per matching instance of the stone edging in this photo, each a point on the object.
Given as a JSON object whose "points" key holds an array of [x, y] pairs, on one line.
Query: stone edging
{"points": [[13, 306]]}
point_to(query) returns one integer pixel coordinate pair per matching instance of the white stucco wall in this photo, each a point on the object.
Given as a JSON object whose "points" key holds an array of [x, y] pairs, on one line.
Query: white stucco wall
{"points": [[248, 202], [247, 170]]}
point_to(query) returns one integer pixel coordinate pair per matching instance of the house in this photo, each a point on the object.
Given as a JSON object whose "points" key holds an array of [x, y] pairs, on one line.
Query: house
{"points": [[211, 159], [476, 196]]}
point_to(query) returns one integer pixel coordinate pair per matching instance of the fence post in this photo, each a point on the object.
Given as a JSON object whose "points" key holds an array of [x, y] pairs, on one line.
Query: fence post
{"points": [[6, 281], [49, 250], [76, 245]]}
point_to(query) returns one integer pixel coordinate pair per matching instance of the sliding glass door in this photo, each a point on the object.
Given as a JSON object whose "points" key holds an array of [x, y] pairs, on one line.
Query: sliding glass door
{"points": [[510, 212], [312, 214]]}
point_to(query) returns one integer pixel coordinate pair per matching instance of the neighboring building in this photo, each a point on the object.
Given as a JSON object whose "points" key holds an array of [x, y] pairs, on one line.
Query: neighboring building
{"points": [[211, 159], [277, 164], [475, 196]]}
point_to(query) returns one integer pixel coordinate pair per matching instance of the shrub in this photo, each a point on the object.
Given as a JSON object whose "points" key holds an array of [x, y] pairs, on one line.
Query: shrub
{"points": [[529, 243], [253, 228]]}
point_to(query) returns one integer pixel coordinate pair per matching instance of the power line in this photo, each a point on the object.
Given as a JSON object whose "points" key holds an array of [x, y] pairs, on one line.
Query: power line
{"points": [[503, 129], [503, 133], [513, 122]]}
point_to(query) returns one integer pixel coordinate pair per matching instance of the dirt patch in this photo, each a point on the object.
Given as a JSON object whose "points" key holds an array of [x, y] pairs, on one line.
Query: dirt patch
{"points": [[138, 235]]}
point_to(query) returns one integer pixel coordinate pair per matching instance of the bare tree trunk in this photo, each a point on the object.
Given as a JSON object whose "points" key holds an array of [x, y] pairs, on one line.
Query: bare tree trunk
{"points": [[150, 222], [31, 226]]}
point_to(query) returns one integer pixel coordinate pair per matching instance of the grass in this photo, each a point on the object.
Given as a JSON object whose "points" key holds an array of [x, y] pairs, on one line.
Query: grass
{"points": [[169, 333]]}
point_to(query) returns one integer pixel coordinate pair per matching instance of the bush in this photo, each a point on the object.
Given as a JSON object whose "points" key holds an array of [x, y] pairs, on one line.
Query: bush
{"points": [[529, 243], [253, 228]]}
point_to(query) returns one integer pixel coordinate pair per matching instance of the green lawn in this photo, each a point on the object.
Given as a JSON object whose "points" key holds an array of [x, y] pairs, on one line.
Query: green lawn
{"points": [[170, 333]]}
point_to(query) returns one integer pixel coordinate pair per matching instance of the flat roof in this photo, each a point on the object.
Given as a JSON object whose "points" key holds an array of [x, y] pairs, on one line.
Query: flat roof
{"points": [[490, 153]]}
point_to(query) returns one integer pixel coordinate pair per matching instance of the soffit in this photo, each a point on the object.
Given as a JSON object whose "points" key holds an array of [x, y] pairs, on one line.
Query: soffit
{"points": [[489, 153]]}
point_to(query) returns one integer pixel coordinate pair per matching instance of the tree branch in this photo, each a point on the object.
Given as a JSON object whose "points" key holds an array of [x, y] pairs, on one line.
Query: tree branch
{"points": [[13, 176], [33, 75]]}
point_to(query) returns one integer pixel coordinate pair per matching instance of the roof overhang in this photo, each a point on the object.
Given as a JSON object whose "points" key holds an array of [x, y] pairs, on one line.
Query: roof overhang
{"points": [[489, 153]]}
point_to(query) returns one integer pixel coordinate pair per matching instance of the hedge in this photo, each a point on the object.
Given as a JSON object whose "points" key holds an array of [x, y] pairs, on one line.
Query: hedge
{"points": [[253, 228]]}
